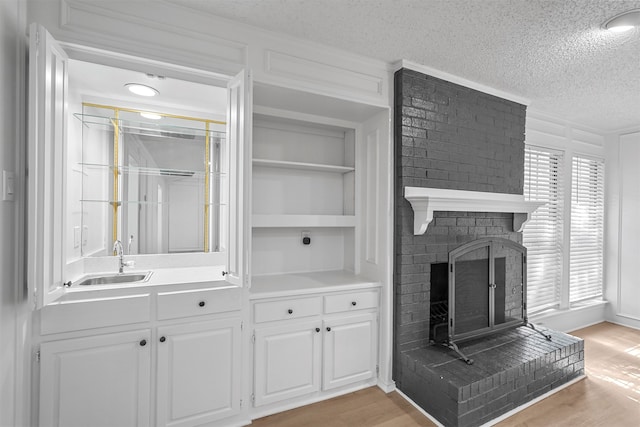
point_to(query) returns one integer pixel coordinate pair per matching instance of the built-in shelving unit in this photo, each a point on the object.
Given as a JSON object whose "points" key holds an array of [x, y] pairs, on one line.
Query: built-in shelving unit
{"points": [[303, 184]]}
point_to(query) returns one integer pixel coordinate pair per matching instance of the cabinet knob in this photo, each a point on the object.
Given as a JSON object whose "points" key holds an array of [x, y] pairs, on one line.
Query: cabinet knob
{"points": [[162, 339], [201, 303], [328, 329], [353, 303], [143, 343], [224, 273], [317, 329], [290, 311]]}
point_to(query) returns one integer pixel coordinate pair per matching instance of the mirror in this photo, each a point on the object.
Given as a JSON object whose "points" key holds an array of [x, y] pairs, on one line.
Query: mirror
{"points": [[152, 180]]}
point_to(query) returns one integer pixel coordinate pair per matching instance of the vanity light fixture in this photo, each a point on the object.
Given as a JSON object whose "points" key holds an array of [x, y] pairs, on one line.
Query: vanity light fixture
{"points": [[151, 116], [142, 90], [623, 22]]}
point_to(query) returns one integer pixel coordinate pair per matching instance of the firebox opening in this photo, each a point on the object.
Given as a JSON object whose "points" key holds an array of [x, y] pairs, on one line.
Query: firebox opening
{"points": [[439, 303]]}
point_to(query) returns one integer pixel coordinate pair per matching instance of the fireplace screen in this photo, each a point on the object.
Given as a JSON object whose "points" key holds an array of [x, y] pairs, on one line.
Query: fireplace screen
{"points": [[487, 288]]}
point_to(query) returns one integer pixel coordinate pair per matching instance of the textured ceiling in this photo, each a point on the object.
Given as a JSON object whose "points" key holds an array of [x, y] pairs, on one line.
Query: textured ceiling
{"points": [[550, 51]]}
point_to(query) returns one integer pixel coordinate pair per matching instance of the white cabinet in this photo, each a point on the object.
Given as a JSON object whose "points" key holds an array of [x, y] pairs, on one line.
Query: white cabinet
{"points": [[180, 372], [349, 346], [96, 381], [325, 350], [198, 372], [287, 361]]}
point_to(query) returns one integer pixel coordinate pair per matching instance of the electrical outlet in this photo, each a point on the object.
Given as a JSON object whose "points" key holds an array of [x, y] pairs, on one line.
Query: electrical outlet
{"points": [[8, 186], [306, 237], [85, 234]]}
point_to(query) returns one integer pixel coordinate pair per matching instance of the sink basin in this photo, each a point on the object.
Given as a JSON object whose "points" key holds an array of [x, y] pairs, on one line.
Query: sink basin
{"points": [[112, 279]]}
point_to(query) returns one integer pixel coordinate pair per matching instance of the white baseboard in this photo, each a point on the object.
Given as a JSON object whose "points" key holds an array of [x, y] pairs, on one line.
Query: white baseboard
{"points": [[625, 321], [387, 387]]}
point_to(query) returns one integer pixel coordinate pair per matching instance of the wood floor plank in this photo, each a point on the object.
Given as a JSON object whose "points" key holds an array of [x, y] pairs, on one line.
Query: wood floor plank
{"points": [[609, 396]]}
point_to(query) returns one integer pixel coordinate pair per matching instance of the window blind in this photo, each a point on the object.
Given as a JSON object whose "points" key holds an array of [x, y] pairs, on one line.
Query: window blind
{"points": [[587, 228], [543, 233]]}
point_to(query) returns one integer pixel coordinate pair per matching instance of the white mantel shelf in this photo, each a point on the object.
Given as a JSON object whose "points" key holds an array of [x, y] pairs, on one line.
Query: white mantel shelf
{"points": [[425, 201]]}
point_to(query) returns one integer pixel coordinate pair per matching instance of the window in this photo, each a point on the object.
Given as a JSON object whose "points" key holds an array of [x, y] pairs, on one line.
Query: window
{"points": [[543, 233], [587, 225], [563, 267]]}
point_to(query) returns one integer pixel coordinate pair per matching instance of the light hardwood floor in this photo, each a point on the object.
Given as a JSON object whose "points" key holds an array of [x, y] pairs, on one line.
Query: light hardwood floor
{"points": [[609, 396]]}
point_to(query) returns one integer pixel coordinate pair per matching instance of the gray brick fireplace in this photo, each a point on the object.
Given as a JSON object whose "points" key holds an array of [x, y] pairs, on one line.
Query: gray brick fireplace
{"points": [[451, 137]]}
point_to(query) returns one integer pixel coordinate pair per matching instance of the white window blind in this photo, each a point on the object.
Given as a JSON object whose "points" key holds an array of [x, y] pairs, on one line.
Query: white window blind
{"points": [[543, 233], [587, 228]]}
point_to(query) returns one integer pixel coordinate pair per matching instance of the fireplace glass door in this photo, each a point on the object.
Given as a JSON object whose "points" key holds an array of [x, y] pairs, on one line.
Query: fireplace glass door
{"points": [[486, 288]]}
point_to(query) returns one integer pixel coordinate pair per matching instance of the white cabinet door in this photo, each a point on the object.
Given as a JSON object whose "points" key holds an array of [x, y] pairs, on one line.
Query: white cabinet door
{"points": [[350, 347], [99, 381], [198, 372], [238, 169], [46, 151], [287, 362]]}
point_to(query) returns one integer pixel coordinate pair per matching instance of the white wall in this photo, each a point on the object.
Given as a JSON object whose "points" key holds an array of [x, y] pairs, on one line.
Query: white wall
{"points": [[622, 286], [11, 67]]}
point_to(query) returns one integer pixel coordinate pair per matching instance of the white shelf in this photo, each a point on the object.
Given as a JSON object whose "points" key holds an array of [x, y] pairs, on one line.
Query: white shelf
{"points": [[302, 166], [281, 221], [425, 201]]}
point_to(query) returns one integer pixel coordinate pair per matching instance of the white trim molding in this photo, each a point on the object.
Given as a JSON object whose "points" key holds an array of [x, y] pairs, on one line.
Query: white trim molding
{"points": [[460, 81], [424, 201]]}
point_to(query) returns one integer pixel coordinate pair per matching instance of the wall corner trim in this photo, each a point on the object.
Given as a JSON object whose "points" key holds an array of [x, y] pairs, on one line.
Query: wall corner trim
{"points": [[403, 63]]}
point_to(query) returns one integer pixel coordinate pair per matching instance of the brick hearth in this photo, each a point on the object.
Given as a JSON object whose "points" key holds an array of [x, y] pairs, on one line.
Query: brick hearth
{"points": [[509, 370]]}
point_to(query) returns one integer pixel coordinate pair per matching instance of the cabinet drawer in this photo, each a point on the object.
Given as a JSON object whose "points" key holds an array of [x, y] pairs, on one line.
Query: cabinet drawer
{"points": [[172, 305], [286, 309], [351, 301], [66, 316]]}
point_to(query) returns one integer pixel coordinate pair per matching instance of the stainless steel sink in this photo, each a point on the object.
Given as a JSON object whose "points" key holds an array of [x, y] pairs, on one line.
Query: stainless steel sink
{"points": [[112, 279]]}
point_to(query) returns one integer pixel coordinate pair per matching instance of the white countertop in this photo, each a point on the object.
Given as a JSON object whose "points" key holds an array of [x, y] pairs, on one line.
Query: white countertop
{"points": [[279, 285], [195, 277]]}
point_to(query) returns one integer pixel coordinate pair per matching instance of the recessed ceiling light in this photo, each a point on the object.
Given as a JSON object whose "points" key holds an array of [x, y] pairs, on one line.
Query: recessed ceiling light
{"points": [[623, 22], [151, 116], [142, 90]]}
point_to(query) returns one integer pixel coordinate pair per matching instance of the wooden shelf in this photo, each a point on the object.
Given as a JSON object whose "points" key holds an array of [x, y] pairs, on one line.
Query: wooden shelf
{"points": [[302, 166], [283, 221]]}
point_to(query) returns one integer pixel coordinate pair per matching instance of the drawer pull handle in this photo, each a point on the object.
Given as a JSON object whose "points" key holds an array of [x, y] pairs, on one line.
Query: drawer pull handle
{"points": [[224, 273], [162, 339], [328, 329], [353, 303], [201, 303], [290, 311], [317, 329], [143, 343]]}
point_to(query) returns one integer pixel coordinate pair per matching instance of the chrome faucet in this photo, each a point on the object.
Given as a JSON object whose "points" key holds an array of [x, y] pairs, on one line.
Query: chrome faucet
{"points": [[119, 252]]}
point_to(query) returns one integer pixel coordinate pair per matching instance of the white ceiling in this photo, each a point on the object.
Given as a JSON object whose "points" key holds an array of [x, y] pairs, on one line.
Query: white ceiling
{"points": [[550, 51], [103, 84]]}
